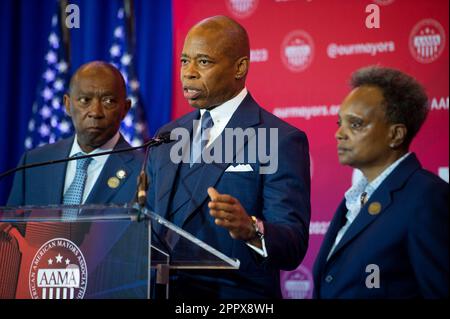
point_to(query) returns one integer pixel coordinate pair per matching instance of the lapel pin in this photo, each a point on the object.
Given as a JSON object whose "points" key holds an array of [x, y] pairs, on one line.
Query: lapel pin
{"points": [[113, 182], [374, 208], [121, 174]]}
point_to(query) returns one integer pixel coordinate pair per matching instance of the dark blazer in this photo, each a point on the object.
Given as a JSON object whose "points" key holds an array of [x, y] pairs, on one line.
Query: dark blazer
{"points": [[281, 200], [44, 185], [407, 240]]}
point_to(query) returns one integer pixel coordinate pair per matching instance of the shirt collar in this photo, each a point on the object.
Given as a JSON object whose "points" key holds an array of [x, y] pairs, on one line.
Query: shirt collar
{"points": [[380, 178], [362, 185], [108, 146], [225, 111]]}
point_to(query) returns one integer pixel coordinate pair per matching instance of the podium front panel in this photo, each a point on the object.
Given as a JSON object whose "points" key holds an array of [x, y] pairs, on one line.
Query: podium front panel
{"points": [[103, 254]]}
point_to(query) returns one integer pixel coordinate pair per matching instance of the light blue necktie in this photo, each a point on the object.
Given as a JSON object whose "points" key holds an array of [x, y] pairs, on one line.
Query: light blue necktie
{"points": [[74, 193]]}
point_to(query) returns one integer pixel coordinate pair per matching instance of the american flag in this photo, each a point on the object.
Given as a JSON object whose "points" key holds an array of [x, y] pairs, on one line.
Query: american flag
{"points": [[133, 127], [49, 122]]}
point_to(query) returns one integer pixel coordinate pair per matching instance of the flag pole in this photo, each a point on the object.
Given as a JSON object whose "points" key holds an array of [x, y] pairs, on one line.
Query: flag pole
{"points": [[64, 30], [130, 25], [130, 40]]}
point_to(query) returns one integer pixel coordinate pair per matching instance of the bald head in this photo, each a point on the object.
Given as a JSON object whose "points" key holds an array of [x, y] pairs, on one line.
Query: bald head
{"points": [[231, 35], [95, 67], [214, 62]]}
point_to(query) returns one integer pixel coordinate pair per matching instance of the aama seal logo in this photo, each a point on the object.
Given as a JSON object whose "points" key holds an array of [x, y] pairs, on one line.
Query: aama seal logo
{"points": [[297, 284], [297, 50], [427, 41], [242, 8], [58, 271]]}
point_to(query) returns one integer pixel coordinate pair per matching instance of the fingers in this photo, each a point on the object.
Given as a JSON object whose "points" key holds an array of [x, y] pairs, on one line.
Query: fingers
{"points": [[220, 214], [217, 197], [221, 206], [228, 213], [213, 194], [222, 222], [220, 209]]}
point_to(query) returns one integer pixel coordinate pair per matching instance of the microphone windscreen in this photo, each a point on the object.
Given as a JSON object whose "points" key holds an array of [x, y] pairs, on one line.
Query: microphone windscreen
{"points": [[164, 137]]}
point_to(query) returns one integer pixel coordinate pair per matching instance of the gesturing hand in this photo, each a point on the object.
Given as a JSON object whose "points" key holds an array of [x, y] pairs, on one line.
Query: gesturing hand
{"points": [[229, 213]]}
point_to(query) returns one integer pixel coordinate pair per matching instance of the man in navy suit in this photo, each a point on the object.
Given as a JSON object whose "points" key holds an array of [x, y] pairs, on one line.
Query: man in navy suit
{"points": [[97, 104], [252, 210], [389, 237]]}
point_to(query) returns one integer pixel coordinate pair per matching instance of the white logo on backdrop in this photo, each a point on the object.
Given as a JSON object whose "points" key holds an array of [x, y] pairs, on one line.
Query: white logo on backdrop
{"points": [[427, 41], [242, 8], [297, 50], [298, 284]]}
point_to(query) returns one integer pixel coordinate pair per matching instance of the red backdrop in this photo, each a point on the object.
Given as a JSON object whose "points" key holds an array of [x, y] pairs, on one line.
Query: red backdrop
{"points": [[303, 53]]}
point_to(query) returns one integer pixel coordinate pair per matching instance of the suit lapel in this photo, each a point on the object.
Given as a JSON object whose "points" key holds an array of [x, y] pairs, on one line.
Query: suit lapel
{"points": [[364, 219], [168, 170], [58, 171], [101, 192], [337, 222], [383, 197], [246, 115]]}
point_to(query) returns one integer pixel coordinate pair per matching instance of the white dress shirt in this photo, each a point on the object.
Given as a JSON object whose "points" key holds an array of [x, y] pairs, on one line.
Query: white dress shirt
{"points": [[221, 115], [94, 168]]}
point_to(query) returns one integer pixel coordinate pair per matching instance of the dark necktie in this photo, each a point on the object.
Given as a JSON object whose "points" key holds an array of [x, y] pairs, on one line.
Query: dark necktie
{"points": [[207, 124], [201, 140]]}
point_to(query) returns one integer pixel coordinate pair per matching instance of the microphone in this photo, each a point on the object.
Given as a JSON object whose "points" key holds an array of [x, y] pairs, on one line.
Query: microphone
{"points": [[160, 139], [141, 196]]}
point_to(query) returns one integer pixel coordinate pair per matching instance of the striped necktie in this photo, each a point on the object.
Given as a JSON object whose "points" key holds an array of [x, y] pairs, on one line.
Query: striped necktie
{"points": [[207, 124], [201, 140]]}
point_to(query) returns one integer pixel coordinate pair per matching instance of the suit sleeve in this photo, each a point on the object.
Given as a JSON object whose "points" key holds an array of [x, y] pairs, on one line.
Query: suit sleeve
{"points": [[428, 241], [286, 204], [17, 193]]}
